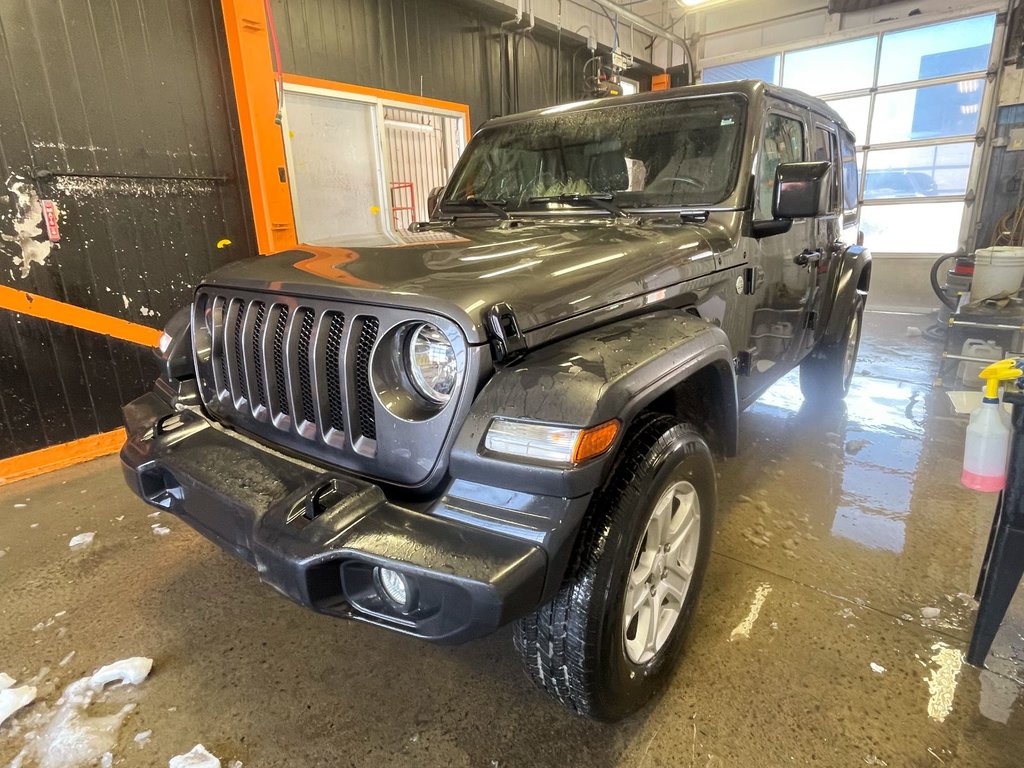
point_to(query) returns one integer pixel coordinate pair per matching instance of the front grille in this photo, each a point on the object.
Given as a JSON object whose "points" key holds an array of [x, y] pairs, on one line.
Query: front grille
{"points": [[301, 373]]}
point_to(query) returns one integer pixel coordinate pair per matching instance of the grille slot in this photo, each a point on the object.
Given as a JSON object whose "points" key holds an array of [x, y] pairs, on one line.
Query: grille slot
{"points": [[238, 391], [280, 395], [257, 352], [335, 397], [305, 363], [217, 334], [367, 338]]}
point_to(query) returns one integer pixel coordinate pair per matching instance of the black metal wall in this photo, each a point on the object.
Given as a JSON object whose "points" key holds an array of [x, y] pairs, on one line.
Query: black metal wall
{"points": [[121, 112], [436, 48]]}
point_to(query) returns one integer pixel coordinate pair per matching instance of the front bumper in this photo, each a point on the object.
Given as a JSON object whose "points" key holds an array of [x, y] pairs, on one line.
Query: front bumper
{"points": [[316, 534]]}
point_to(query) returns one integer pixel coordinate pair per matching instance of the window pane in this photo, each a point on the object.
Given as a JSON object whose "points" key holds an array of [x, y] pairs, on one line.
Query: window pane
{"points": [[911, 227], [783, 143], [918, 171], [951, 109], [766, 69], [855, 112], [847, 66], [936, 51]]}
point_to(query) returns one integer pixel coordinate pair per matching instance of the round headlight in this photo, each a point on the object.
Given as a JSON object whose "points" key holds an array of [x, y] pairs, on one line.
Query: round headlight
{"points": [[431, 363]]}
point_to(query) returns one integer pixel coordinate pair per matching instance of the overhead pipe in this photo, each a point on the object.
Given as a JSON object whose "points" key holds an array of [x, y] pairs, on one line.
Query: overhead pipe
{"points": [[640, 22]]}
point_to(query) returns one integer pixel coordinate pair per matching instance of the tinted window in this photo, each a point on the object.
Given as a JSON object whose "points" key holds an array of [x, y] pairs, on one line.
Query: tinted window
{"points": [[851, 182], [666, 153], [826, 150], [783, 143]]}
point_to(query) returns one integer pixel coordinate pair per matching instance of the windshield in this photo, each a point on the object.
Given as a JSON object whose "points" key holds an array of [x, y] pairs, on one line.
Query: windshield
{"points": [[679, 153]]}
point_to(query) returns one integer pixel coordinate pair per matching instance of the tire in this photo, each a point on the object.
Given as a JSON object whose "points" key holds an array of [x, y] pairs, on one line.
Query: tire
{"points": [[826, 373], [581, 648]]}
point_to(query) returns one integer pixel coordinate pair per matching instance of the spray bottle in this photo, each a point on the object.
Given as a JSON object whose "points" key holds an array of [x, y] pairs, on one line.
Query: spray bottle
{"points": [[988, 433]]}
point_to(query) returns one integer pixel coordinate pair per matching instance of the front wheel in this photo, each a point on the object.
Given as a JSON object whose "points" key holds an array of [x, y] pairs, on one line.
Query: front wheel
{"points": [[609, 640], [826, 373]]}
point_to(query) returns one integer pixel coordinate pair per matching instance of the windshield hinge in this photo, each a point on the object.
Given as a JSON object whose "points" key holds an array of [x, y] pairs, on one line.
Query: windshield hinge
{"points": [[694, 217], [507, 340]]}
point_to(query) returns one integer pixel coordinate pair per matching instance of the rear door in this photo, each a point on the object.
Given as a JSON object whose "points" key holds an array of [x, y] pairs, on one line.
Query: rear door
{"points": [[827, 246]]}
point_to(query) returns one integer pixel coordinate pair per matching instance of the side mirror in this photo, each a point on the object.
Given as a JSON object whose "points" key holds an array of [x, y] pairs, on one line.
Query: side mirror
{"points": [[432, 198], [801, 190]]}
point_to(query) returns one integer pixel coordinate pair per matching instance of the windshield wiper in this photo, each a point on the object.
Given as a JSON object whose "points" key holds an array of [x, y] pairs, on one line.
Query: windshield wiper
{"points": [[601, 200], [498, 206]]}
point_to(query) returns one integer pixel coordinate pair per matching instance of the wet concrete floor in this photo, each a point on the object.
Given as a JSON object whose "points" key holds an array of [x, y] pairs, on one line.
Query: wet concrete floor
{"points": [[840, 528]]}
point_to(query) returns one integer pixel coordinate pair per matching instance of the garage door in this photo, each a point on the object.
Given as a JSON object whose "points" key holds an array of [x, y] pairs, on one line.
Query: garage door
{"points": [[913, 98]]}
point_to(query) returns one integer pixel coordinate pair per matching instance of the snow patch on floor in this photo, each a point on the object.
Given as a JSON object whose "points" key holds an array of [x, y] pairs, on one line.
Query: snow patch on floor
{"points": [[742, 630], [13, 699], [67, 735], [81, 540], [198, 757]]}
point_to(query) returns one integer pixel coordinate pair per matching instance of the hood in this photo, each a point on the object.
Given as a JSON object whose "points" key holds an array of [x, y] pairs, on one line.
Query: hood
{"points": [[546, 272]]}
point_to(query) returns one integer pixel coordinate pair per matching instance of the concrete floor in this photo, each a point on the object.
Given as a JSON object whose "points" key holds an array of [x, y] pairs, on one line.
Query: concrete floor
{"points": [[845, 528]]}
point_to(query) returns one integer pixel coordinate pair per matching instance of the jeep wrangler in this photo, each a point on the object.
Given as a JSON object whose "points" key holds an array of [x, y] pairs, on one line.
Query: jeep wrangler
{"points": [[508, 414]]}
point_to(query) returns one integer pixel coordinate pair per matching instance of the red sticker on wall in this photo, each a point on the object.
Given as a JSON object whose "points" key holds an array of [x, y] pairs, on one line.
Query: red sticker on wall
{"points": [[50, 217]]}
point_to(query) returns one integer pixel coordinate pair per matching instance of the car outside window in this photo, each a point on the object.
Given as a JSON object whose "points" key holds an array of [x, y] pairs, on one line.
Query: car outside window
{"points": [[783, 143], [678, 153]]}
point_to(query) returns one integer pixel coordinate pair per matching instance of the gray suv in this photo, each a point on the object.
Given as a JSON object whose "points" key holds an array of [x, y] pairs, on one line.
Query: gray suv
{"points": [[509, 414]]}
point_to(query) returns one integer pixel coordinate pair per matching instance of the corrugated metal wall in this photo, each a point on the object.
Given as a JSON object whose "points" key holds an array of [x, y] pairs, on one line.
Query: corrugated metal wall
{"points": [[436, 48], [423, 157], [127, 105]]}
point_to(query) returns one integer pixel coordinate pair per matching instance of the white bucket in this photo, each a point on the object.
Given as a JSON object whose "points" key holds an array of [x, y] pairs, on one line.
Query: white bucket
{"points": [[996, 270]]}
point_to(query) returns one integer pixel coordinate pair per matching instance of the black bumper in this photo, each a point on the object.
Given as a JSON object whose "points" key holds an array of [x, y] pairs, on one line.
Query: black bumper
{"points": [[316, 535]]}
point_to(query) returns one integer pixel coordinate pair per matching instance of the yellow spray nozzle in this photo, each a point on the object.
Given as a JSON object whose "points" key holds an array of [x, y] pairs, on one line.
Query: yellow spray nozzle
{"points": [[1004, 370]]}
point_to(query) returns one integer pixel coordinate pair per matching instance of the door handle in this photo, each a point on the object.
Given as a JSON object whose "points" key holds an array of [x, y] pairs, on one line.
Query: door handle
{"points": [[807, 257]]}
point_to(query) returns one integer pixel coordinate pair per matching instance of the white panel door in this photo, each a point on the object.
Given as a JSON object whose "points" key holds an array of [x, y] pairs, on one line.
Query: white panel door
{"points": [[334, 162]]}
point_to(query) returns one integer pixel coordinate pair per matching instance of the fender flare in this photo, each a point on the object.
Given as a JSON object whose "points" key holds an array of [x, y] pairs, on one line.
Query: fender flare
{"points": [[609, 372], [853, 280]]}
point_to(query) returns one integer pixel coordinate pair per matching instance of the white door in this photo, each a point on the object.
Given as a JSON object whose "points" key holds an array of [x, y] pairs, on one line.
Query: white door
{"points": [[334, 161]]}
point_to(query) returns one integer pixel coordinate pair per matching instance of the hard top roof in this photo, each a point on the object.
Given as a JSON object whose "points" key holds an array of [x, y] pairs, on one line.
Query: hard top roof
{"points": [[748, 88]]}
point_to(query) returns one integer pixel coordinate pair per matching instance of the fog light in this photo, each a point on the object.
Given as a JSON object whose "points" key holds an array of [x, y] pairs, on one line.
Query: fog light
{"points": [[394, 587]]}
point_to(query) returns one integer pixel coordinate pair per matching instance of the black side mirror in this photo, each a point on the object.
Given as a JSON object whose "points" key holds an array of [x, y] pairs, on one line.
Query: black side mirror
{"points": [[801, 190], [435, 193]]}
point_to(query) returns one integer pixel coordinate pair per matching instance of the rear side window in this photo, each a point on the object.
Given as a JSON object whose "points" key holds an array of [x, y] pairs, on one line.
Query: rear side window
{"points": [[827, 149], [851, 181], [783, 143]]}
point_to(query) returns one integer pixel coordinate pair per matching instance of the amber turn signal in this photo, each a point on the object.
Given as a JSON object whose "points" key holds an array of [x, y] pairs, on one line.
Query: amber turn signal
{"points": [[595, 441]]}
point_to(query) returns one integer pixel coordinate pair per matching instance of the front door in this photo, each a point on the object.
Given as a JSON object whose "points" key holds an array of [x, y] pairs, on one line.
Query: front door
{"points": [[782, 262]]}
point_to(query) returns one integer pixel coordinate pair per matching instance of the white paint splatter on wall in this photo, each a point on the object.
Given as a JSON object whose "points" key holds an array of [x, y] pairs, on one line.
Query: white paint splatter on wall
{"points": [[28, 225]]}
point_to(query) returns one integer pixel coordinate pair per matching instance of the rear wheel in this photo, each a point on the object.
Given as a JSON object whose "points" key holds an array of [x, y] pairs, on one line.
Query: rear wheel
{"points": [[826, 373], [610, 638]]}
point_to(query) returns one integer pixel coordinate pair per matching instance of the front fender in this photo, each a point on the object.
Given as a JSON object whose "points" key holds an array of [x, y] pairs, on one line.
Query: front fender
{"points": [[609, 372], [852, 281]]}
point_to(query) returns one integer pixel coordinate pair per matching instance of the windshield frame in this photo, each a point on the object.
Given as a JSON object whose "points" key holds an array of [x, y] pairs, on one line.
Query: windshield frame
{"points": [[734, 200]]}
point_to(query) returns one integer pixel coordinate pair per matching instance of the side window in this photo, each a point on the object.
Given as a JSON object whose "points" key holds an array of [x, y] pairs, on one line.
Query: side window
{"points": [[827, 149], [783, 143], [851, 182]]}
